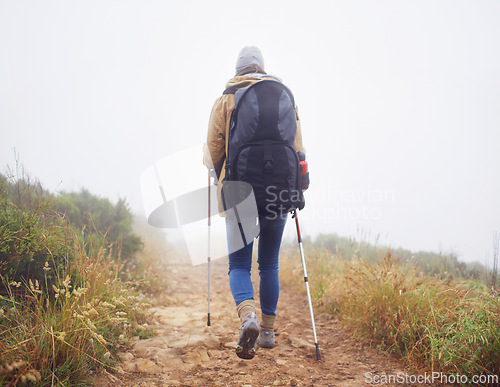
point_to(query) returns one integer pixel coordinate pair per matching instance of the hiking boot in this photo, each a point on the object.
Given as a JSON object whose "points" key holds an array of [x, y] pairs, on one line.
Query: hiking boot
{"points": [[247, 343], [266, 339]]}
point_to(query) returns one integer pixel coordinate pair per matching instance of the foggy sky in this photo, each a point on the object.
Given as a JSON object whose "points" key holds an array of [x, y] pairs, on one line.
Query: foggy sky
{"points": [[399, 103]]}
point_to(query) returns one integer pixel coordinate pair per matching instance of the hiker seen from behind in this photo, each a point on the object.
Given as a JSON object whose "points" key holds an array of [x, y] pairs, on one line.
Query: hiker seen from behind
{"points": [[254, 145]]}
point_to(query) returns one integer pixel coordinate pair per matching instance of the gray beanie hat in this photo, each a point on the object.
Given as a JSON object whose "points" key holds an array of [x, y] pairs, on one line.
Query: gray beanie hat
{"points": [[249, 55]]}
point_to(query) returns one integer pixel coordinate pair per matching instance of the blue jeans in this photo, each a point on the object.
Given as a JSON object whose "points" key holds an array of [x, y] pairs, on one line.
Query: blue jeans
{"points": [[240, 265]]}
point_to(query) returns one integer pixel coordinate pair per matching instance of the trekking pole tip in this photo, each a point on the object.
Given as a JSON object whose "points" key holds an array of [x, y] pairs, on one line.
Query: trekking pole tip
{"points": [[208, 320], [318, 356]]}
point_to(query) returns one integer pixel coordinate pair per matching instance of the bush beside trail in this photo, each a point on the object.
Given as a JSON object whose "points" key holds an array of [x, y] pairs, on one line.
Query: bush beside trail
{"points": [[67, 304], [111, 220], [430, 263]]}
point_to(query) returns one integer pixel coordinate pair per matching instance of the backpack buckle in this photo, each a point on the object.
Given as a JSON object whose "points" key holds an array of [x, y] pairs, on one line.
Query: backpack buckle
{"points": [[268, 157], [268, 166]]}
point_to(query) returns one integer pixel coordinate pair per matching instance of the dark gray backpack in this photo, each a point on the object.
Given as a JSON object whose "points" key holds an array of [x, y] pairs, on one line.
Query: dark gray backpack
{"points": [[261, 150]]}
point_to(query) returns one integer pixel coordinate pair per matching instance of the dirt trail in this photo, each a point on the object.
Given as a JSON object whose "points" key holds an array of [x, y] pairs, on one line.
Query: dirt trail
{"points": [[185, 352]]}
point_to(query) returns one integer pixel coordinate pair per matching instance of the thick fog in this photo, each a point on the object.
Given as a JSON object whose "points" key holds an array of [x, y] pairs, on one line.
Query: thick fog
{"points": [[399, 103]]}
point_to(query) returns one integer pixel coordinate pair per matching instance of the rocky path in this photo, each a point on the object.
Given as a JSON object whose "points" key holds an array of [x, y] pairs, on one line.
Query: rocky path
{"points": [[185, 352]]}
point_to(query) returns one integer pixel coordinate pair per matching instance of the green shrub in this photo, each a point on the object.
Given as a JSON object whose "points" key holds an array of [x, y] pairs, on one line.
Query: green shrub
{"points": [[29, 241], [64, 309], [434, 264], [114, 221]]}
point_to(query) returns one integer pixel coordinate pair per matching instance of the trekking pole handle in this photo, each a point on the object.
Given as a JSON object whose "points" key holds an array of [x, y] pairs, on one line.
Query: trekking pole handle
{"points": [[295, 216]]}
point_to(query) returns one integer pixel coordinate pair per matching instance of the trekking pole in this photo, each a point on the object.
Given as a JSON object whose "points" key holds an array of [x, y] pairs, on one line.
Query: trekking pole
{"points": [[208, 250], [318, 357]]}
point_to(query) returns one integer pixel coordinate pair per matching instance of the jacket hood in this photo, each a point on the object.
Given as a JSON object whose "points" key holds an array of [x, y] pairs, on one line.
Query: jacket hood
{"points": [[241, 81], [249, 56]]}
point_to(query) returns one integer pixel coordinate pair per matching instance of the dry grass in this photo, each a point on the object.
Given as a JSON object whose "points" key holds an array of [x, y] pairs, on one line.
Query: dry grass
{"points": [[433, 324], [53, 334]]}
